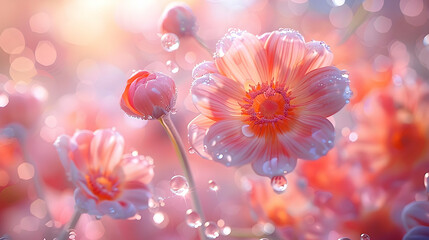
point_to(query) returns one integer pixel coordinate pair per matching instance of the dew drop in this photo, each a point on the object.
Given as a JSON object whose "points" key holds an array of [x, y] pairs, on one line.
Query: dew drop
{"points": [[179, 185], [193, 219], [191, 150], [158, 218], [72, 234], [211, 230], [364, 236], [170, 42], [213, 186], [245, 129], [172, 66], [98, 217], [226, 231], [279, 184], [344, 238], [153, 204]]}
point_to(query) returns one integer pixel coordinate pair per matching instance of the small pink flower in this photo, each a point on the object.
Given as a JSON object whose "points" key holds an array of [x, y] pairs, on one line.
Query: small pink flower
{"points": [[179, 19], [148, 95], [107, 182], [264, 100]]}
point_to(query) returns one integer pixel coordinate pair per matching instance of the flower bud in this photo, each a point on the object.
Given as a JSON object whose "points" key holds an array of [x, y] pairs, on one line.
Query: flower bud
{"points": [[179, 19], [148, 95]]}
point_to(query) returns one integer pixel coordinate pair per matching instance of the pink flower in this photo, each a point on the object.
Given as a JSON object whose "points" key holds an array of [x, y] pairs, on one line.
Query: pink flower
{"points": [[179, 19], [264, 100], [148, 95], [107, 182], [415, 217]]}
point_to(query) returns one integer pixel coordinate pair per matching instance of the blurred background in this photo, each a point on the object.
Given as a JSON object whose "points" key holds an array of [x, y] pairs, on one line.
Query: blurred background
{"points": [[64, 65]]}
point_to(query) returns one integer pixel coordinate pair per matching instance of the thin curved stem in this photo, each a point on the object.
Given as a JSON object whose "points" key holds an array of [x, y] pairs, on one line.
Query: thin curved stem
{"points": [[181, 152], [202, 44], [72, 224]]}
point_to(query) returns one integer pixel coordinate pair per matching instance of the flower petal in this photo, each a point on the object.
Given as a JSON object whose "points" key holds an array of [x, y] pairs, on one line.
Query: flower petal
{"points": [[107, 148], [274, 161], [86, 204], [139, 197], [137, 168], [416, 214], [197, 130], [417, 233], [226, 143], [285, 49], [204, 68], [317, 55], [117, 209], [322, 92], [216, 96], [242, 57], [310, 137]]}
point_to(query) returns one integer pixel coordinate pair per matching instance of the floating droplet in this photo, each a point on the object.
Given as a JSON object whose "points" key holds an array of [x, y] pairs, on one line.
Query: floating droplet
{"points": [[364, 236], [245, 129], [226, 231], [193, 219], [179, 185], [213, 186], [211, 230], [172, 66], [170, 42], [279, 184], [191, 150]]}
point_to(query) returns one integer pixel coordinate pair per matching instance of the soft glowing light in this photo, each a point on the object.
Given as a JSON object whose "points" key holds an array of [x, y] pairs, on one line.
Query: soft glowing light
{"points": [[373, 5], [158, 218], [12, 41], [426, 40], [40, 22], [353, 137], [51, 121], [45, 53], [4, 100], [38, 208], [341, 17], [411, 8], [382, 24], [338, 3], [25, 171]]}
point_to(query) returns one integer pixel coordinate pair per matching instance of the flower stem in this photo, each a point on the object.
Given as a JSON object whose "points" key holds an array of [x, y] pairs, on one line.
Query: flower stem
{"points": [[180, 150], [203, 44], [72, 224]]}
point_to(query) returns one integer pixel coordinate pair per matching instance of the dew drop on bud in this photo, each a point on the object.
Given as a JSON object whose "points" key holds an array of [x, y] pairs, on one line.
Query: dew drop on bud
{"points": [[213, 186], [191, 150], [193, 219], [279, 184], [364, 236], [211, 230], [170, 42], [179, 185], [172, 66]]}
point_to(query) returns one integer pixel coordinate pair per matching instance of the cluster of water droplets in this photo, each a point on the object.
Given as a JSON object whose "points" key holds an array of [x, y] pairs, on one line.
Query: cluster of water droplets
{"points": [[364, 236], [211, 230], [179, 185], [170, 42], [213, 186], [72, 234], [225, 43], [172, 66]]}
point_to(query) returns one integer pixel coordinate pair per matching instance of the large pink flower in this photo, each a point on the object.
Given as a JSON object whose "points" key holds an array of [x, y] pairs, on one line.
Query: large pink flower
{"points": [[107, 182], [264, 100]]}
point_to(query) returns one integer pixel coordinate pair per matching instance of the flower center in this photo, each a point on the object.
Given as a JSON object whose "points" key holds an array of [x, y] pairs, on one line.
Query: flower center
{"points": [[105, 187], [266, 105]]}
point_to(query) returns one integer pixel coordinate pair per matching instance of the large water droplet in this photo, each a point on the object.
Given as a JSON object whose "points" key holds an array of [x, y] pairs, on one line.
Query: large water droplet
{"points": [[172, 66], [213, 186], [245, 129], [158, 218], [179, 185], [364, 236], [170, 42], [193, 219], [211, 230], [191, 150], [279, 184]]}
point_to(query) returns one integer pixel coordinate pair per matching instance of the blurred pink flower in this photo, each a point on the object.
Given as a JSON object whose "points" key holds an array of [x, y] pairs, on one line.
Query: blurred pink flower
{"points": [[148, 95], [179, 19], [107, 182], [391, 141], [415, 217], [265, 99]]}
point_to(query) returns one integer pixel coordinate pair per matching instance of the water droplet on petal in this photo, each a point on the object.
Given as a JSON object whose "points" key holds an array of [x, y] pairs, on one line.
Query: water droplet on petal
{"points": [[72, 234], [364, 236], [98, 217], [172, 66], [344, 238], [179, 185], [191, 150], [245, 129], [193, 219], [211, 230], [279, 184], [170, 42], [213, 186]]}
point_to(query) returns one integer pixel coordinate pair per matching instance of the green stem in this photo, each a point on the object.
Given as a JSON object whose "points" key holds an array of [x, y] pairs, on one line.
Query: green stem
{"points": [[72, 224], [203, 44], [181, 153]]}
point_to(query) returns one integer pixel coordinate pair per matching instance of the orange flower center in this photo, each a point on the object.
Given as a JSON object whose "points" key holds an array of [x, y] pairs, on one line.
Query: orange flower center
{"points": [[265, 107], [105, 187]]}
